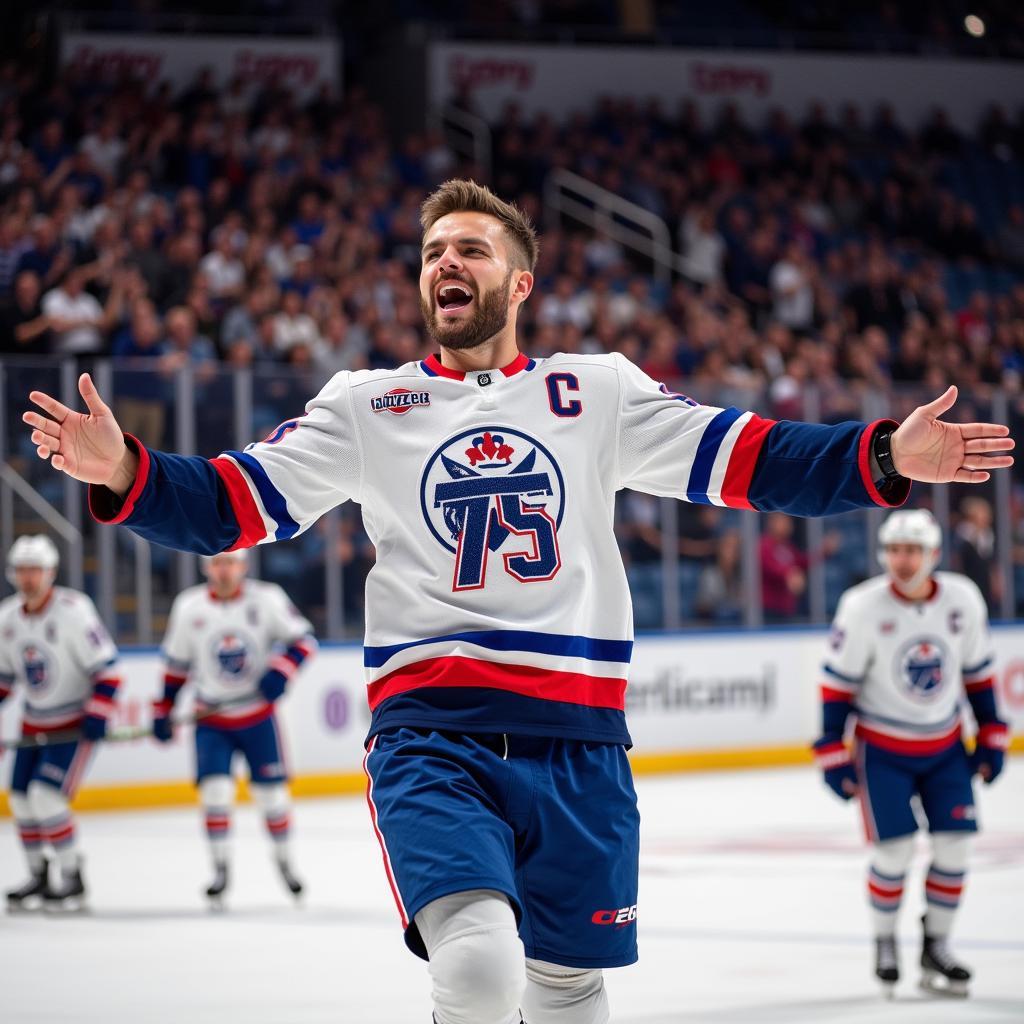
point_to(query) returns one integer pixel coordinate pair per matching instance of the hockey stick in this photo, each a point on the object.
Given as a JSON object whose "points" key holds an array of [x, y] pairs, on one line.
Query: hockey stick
{"points": [[120, 735]]}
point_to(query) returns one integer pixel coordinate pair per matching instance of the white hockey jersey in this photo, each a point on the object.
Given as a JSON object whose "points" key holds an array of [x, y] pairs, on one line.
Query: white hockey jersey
{"points": [[225, 647], [60, 654], [498, 601], [904, 665]]}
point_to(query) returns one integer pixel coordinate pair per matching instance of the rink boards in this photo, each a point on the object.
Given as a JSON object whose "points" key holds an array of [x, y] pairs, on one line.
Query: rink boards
{"points": [[695, 701]]}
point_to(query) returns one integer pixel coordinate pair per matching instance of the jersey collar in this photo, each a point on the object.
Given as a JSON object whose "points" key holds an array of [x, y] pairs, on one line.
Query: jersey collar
{"points": [[932, 594], [433, 367], [41, 610], [233, 597]]}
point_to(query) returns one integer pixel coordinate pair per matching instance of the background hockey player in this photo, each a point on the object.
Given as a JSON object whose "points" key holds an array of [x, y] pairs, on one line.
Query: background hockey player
{"points": [[498, 624], [52, 643], [235, 638], [905, 648]]}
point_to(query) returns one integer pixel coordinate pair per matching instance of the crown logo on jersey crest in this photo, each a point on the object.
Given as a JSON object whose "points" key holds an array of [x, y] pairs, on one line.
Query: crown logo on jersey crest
{"points": [[490, 451]]}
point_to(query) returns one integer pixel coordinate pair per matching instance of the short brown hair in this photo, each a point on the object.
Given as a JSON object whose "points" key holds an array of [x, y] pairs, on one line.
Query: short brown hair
{"points": [[463, 196]]}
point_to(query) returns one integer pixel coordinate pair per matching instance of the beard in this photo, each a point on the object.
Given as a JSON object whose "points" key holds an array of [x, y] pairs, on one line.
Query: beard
{"points": [[490, 317]]}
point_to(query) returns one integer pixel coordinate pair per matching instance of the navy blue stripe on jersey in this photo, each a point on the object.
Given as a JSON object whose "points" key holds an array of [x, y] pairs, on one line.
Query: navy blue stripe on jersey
{"points": [[273, 500], [516, 640], [973, 670], [809, 469], [426, 369], [471, 709], [707, 452], [829, 670]]}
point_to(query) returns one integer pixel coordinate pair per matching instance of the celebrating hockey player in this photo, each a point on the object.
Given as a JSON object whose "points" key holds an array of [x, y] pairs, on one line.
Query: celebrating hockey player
{"points": [[240, 641], [498, 624], [53, 643], [904, 648]]}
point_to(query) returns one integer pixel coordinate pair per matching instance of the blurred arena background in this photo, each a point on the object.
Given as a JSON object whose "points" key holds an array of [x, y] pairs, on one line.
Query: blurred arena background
{"points": [[815, 211]]}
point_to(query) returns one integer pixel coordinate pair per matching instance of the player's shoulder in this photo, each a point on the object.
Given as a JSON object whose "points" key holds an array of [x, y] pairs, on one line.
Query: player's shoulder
{"points": [[957, 586], [353, 379], [865, 595], [264, 590], [9, 607], [68, 600], [583, 361], [191, 596]]}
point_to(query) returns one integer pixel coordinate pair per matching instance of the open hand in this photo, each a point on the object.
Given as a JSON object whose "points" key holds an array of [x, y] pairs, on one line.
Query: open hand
{"points": [[89, 447], [926, 449]]}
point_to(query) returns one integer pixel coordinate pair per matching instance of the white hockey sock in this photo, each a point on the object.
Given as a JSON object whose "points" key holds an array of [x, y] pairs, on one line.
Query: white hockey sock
{"points": [[276, 806], [28, 831], [945, 882], [889, 863], [56, 826], [217, 793]]}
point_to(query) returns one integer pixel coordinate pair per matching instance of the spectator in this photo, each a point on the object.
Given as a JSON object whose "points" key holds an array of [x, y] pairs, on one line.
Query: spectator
{"points": [[783, 570], [77, 319], [974, 545], [293, 326], [141, 384], [792, 285], [24, 328]]}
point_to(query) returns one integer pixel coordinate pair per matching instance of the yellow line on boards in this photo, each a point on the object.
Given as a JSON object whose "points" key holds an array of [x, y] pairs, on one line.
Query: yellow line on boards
{"points": [[128, 796]]}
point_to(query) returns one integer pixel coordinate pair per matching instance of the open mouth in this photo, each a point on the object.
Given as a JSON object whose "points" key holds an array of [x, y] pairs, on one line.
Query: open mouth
{"points": [[452, 296]]}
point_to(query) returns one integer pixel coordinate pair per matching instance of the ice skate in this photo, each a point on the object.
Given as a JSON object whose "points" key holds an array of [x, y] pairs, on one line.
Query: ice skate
{"points": [[887, 968], [69, 895], [941, 973], [295, 887], [216, 889], [30, 896]]}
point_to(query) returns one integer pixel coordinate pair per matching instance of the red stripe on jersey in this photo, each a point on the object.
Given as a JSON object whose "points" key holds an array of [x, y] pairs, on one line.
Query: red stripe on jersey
{"points": [[527, 680], [923, 747], [828, 693], [981, 684], [743, 460], [138, 485], [247, 513]]}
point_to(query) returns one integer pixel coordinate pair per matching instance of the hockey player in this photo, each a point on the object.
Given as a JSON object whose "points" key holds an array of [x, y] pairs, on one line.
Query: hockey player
{"points": [[53, 643], [905, 646], [240, 641], [498, 626]]}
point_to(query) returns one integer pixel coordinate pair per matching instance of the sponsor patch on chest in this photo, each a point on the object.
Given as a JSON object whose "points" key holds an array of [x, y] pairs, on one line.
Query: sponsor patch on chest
{"points": [[399, 401]]}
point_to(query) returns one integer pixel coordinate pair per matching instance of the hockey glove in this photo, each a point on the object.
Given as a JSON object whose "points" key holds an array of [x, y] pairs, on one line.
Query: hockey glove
{"points": [[94, 727], [989, 752], [272, 685], [833, 758], [163, 727]]}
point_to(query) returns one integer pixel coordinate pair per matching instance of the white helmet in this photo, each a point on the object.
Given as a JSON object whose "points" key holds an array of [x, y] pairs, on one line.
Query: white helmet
{"points": [[912, 526], [238, 555], [32, 549]]}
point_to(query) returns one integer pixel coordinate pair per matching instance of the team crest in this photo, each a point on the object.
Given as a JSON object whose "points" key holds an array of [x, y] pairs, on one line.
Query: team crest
{"points": [[232, 655], [495, 490], [920, 666], [37, 668]]}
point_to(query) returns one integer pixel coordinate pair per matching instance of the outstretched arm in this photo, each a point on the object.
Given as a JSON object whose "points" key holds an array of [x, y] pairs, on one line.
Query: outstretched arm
{"points": [[272, 490]]}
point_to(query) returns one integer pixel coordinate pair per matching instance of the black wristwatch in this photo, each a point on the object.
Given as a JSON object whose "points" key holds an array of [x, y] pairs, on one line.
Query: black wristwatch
{"points": [[881, 448]]}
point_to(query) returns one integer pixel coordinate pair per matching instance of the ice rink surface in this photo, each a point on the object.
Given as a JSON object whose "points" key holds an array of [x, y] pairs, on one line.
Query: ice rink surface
{"points": [[751, 909]]}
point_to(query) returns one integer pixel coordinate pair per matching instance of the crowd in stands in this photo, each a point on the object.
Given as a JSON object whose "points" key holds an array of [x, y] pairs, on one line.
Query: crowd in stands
{"points": [[236, 227]]}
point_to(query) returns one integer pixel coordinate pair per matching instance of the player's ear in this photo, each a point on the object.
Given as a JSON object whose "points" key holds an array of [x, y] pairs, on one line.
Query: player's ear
{"points": [[522, 287]]}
